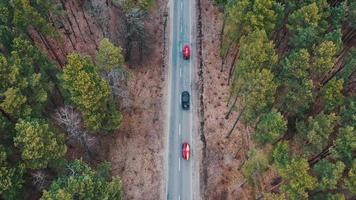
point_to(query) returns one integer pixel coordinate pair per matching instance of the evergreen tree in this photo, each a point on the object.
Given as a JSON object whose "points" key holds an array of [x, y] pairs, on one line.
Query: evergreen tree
{"points": [[328, 174], [270, 127], [295, 83], [257, 94], [306, 24], [243, 17], [350, 182], [332, 94], [317, 130], [39, 146], [86, 90], [345, 145], [109, 57], [297, 178], [281, 155], [11, 180], [324, 59], [82, 182], [256, 164]]}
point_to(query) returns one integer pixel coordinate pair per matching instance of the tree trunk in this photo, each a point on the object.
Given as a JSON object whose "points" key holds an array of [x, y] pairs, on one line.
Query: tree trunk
{"points": [[224, 57], [77, 23], [325, 152], [233, 127], [90, 31], [336, 69], [231, 108], [232, 66], [221, 41]]}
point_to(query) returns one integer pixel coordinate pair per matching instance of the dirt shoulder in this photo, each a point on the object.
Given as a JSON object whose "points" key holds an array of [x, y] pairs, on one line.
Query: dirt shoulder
{"points": [[136, 153], [224, 157]]}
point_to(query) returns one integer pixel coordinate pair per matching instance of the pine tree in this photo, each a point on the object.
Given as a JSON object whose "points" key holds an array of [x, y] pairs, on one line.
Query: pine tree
{"points": [[82, 182], [345, 145], [297, 88], [328, 174], [91, 94], [38, 144], [270, 127], [11, 177], [316, 131], [297, 179]]}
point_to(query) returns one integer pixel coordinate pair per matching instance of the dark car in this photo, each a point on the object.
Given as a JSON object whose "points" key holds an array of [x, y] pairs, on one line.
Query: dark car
{"points": [[185, 100]]}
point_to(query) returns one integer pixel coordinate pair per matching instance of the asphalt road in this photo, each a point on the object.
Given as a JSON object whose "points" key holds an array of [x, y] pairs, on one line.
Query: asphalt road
{"points": [[180, 172]]}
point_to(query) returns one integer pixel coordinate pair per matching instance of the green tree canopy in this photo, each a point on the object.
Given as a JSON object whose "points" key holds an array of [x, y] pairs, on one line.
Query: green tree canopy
{"points": [[328, 174], [281, 155], [91, 94], [350, 182], [348, 111], [246, 16], [328, 196], [33, 13], [24, 85], [270, 127], [256, 164], [332, 94], [316, 131], [324, 58], [295, 83], [307, 23], [345, 145], [38, 144], [256, 52], [257, 94], [109, 56], [297, 178], [11, 180], [82, 182], [349, 66]]}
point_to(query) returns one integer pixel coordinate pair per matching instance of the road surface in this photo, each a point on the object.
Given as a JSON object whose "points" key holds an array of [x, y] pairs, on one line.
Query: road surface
{"points": [[180, 183]]}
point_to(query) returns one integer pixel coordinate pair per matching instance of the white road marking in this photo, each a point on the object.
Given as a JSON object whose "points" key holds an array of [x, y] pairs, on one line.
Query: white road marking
{"points": [[178, 163], [179, 197], [179, 129], [180, 72], [181, 27]]}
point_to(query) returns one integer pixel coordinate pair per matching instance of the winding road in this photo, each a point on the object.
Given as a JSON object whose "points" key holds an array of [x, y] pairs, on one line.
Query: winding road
{"points": [[180, 184]]}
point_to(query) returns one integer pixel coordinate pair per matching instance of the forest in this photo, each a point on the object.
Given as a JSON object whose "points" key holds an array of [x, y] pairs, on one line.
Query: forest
{"points": [[292, 80], [48, 104], [64, 88]]}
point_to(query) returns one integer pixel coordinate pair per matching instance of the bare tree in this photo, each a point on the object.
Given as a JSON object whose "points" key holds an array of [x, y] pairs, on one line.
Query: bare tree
{"points": [[136, 33], [69, 119], [40, 179], [118, 83]]}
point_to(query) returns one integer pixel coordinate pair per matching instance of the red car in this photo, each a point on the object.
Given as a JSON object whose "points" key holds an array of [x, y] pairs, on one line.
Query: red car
{"points": [[186, 151], [186, 52]]}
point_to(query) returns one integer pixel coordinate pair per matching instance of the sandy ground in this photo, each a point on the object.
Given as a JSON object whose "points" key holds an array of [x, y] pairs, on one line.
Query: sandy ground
{"points": [[224, 156], [136, 152]]}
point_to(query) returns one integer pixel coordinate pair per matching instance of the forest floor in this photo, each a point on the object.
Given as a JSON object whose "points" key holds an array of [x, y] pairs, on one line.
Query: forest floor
{"points": [[136, 152], [224, 157]]}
